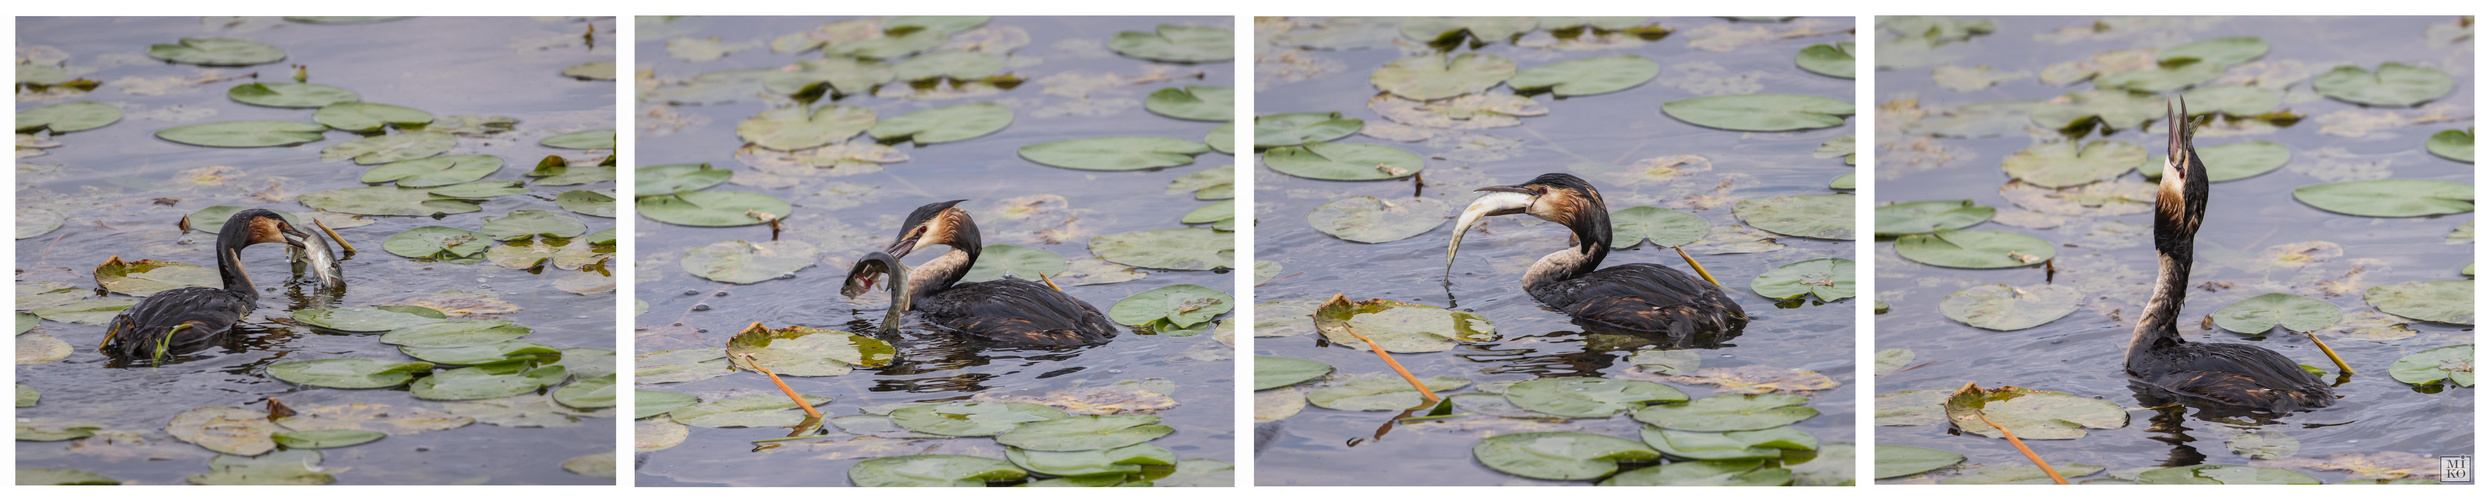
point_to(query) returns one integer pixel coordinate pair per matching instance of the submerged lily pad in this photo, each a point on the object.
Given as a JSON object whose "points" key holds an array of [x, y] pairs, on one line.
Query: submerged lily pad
{"points": [[1193, 102], [953, 123], [244, 134], [1586, 397], [1974, 249], [291, 95], [744, 263], [2067, 165], [957, 65], [369, 319], [1084, 433], [2455, 364], [1177, 44], [2031, 414], [770, 410], [1930, 216], [1899, 461], [2393, 85], [800, 127], [1281, 372], [1400, 326], [1760, 112], [1729, 412], [713, 208], [39, 477], [1291, 129], [2452, 144], [290, 467], [347, 373], [1434, 76], [1828, 279], [453, 333], [1597, 75], [2224, 474], [1190, 249], [2006, 308], [2229, 162], [1115, 153], [1822, 216], [972, 418], [2390, 197], [68, 117], [1368, 219], [391, 148], [585, 139], [932, 470], [435, 171], [1664, 227], [1563, 456], [1343, 161], [798, 351], [486, 382], [2256, 315], [1380, 392], [1831, 60], [1183, 305], [217, 52], [647, 404], [232, 431], [2450, 301]]}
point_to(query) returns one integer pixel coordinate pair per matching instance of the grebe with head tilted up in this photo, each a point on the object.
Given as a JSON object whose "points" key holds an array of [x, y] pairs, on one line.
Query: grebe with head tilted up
{"points": [[1005, 310], [181, 318], [2232, 374], [1637, 297]]}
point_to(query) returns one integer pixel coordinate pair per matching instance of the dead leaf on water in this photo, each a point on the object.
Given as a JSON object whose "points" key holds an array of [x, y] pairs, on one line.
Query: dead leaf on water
{"points": [[1759, 379]]}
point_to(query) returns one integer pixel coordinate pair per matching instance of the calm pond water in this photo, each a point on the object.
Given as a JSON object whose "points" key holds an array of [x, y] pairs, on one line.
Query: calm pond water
{"points": [[1075, 88], [1700, 57], [121, 192], [2253, 232]]}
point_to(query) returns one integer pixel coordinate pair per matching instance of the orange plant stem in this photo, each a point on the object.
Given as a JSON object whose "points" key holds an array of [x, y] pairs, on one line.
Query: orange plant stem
{"points": [[791, 393], [2323, 347], [2020, 446], [1700, 268], [1397, 366]]}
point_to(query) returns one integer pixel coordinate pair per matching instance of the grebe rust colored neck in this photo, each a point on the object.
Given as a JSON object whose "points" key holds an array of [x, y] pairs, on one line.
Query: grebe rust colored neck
{"points": [[2180, 206]]}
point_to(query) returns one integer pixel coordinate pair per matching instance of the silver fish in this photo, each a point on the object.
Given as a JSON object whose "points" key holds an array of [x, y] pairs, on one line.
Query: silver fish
{"points": [[316, 256], [1491, 204], [861, 278]]}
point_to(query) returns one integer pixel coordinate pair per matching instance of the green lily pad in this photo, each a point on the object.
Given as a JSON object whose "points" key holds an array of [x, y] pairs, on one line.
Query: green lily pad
{"points": [[1125, 460], [2235, 99], [452, 333], [647, 404], [2256, 315], [1664, 227], [589, 139], [661, 180], [2229, 162], [588, 362], [1282, 372], [2390, 197], [1194, 102], [1760, 112], [932, 470], [27, 396], [2263, 445], [2066, 165], [325, 438], [2006, 308], [217, 52], [1291, 129], [533, 223], [485, 382], [148, 276], [45, 429], [1704, 473], [958, 65], [1829, 279], [997, 261], [290, 467], [1368, 219], [712, 208], [1343, 161], [1434, 76], [1822, 216], [1974, 249], [844, 75], [1831, 60], [91, 312], [2452, 144], [2393, 85], [799, 127], [1115, 153], [27, 476], [1718, 445], [291, 95], [771, 410], [347, 373], [1585, 397], [592, 70], [1666, 362], [1216, 212], [1729, 412], [1222, 138], [1189, 249], [447, 244], [1899, 461], [798, 351], [68, 117], [368, 116], [1084, 432], [972, 418], [1482, 29], [435, 171], [391, 148], [745, 263], [1177, 44], [1918, 217], [2031, 414], [244, 134], [933, 126], [585, 202], [683, 365], [369, 319], [1890, 360], [587, 393], [2450, 302], [485, 354], [2119, 109], [2224, 474], [1400, 326], [1184, 305], [2455, 364], [1563, 456], [592, 465], [227, 430], [1597, 75], [1380, 392], [2025, 473]]}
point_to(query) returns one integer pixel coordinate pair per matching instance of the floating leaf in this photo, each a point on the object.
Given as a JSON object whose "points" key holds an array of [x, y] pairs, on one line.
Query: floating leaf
{"points": [[435, 171], [2229, 162], [1368, 219], [800, 127], [1343, 161], [844, 75], [328, 438], [585, 202], [2452, 144], [452, 333], [1597, 75], [27, 476], [533, 223], [485, 354], [997, 261], [2223, 474], [2453, 363], [661, 180], [290, 467], [1378, 392], [745, 263], [1115, 153], [1918, 217], [2238, 99], [347, 373], [647, 404], [1125, 460], [44, 429], [291, 95], [2263, 444], [1183, 305], [68, 117], [1899, 461], [798, 351], [2066, 165], [957, 65], [1481, 29], [1291, 129], [1760, 112], [932, 470], [485, 382], [2257, 315], [232, 431], [2450, 302], [1704, 473], [2119, 109], [2031, 414], [1830, 60], [771, 410], [972, 418], [1735, 445], [1282, 372], [931, 126], [1222, 138], [367, 116], [393, 147], [1399, 326], [148, 276], [1559, 455], [1890, 360], [2006, 308], [1177, 44], [1822, 216], [1193, 102], [2390, 197], [712, 208], [217, 52], [1434, 76], [2393, 85], [1585, 397], [27, 396], [1666, 362], [2023, 474], [369, 319], [684, 365], [1084, 432], [244, 134], [593, 465], [447, 244], [1665, 227], [1729, 412], [1974, 249], [591, 139], [1215, 212], [592, 70], [1829, 279], [1191, 249]]}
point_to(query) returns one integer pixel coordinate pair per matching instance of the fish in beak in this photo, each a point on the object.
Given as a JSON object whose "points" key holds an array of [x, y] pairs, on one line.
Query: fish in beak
{"points": [[1500, 200], [873, 266], [312, 251]]}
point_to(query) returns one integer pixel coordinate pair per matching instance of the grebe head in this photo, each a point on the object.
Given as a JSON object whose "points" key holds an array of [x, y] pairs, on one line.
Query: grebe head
{"points": [[2180, 201], [262, 226], [939, 223], [1560, 198]]}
